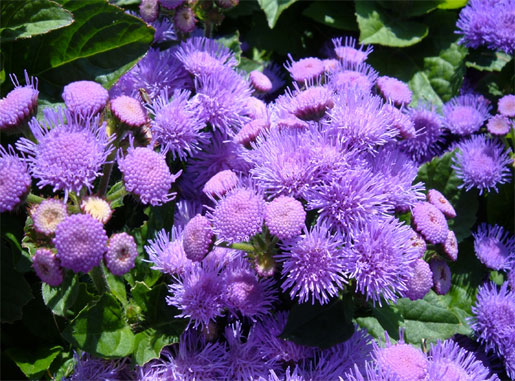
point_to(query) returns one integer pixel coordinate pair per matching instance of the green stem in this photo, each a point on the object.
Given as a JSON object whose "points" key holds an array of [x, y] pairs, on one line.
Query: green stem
{"points": [[99, 280], [33, 199], [243, 246], [104, 182], [118, 194]]}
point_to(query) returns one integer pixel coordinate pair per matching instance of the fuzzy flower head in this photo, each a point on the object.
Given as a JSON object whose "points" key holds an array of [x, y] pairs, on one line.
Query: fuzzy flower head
{"points": [[146, 174], [260, 82], [47, 267], [399, 120], [149, 10], [285, 217], [81, 241], [450, 246], [494, 247], [441, 276], [121, 253], [312, 103], [85, 98], [498, 125], [19, 104], [68, 155], [128, 110], [348, 52], [97, 207], [482, 163], [346, 76], [506, 106], [88, 367], [250, 131], [394, 90], [221, 183], [15, 180], [184, 19], [166, 252], [238, 215], [313, 265], [197, 238], [418, 242], [48, 215], [466, 114], [421, 281], [305, 69], [438, 199], [176, 126], [429, 221]]}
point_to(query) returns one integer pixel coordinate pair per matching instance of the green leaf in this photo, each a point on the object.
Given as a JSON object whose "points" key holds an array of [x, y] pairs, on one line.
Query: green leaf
{"points": [[410, 8], [378, 27], [62, 298], [339, 15], [488, 60], [15, 290], [149, 343], [33, 363], [422, 90], [117, 286], [116, 194], [497, 203], [273, 9], [100, 329], [248, 65], [24, 19], [466, 205], [321, 326], [452, 4], [383, 318]]}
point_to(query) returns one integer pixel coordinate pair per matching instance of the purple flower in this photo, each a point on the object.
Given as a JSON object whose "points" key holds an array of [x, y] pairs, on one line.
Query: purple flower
{"points": [[494, 247], [442, 204], [421, 281], [275, 73], [15, 179], [466, 114], [146, 174], [494, 317], [348, 51], [81, 242], [394, 90], [351, 77], [285, 217], [506, 106], [238, 215], [441, 276], [400, 121], [19, 104], [171, 4], [184, 19], [305, 69], [47, 266], [128, 110], [417, 241], [167, 253], [429, 221], [47, 215], [149, 10], [313, 266], [221, 183], [450, 246], [164, 31], [121, 253], [85, 98], [250, 131], [197, 238], [482, 163], [260, 82], [498, 125], [87, 367], [381, 258], [68, 155], [310, 103]]}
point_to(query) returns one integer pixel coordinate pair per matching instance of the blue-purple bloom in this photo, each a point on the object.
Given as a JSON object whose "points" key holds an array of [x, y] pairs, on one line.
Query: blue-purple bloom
{"points": [[260, 82], [19, 104], [313, 266], [494, 247], [197, 238], [399, 120], [429, 221], [441, 276], [184, 19], [88, 367], [85, 98], [450, 246], [482, 163], [499, 125], [47, 266], [347, 76], [394, 90], [438, 199], [309, 103], [348, 52], [128, 110], [465, 114], [166, 252], [506, 106], [221, 183], [285, 217], [15, 179], [421, 281], [47, 215], [121, 253], [305, 69]]}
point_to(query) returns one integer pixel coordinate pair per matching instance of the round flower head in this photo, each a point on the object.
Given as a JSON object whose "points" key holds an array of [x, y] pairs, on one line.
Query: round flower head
{"points": [[481, 163], [146, 174], [128, 110], [48, 215], [498, 125], [97, 207], [165, 31], [305, 69], [19, 104], [285, 217], [88, 367], [441, 276], [81, 241], [421, 281], [256, 108], [311, 103], [466, 114], [361, 78], [176, 126], [260, 82], [394, 90], [250, 131], [47, 267], [166, 252], [121, 253], [313, 265], [381, 258], [449, 361], [238, 215], [437, 199], [494, 247], [85, 98], [494, 316], [450, 246], [430, 222], [348, 51], [15, 179], [197, 238], [506, 105], [418, 242], [68, 155], [400, 121], [184, 19], [221, 183], [149, 10]]}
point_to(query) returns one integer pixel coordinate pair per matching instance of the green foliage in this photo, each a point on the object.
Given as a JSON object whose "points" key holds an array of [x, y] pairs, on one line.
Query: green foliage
{"points": [[32, 364], [339, 15], [61, 299], [16, 291], [487, 60], [273, 9]]}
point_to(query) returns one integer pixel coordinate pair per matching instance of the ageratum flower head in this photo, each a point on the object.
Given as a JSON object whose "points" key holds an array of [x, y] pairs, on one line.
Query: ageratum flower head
{"points": [[88, 367], [313, 266], [498, 125], [221, 183], [421, 281], [260, 82], [81, 241], [285, 217], [47, 215], [250, 131], [276, 75], [146, 174], [176, 126], [47, 266], [429, 221], [19, 104], [166, 252], [97, 207], [69, 153], [438, 199], [305, 69], [128, 110], [506, 106], [121, 253], [482, 163], [394, 90], [465, 114], [418, 242], [399, 120], [309, 103], [347, 76], [149, 10], [165, 31], [441, 276], [15, 179], [197, 238], [450, 246], [381, 259], [494, 247], [85, 98], [347, 51], [184, 19]]}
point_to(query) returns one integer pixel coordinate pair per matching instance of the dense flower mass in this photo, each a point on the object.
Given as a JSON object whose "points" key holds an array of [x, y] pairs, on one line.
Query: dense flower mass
{"points": [[494, 247], [19, 104], [15, 179]]}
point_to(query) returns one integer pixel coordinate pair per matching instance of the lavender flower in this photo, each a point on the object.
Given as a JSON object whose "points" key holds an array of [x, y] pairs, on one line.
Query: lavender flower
{"points": [[450, 246], [260, 82], [347, 52], [498, 125], [184, 19], [128, 110], [430, 222], [400, 121], [313, 265], [494, 247], [221, 183], [87, 367], [171, 4], [85, 98], [466, 114], [305, 69], [19, 104], [441, 276], [418, 242], [442, 204], [250, 131], [506, 106], [310, 103], [167, 253], [149, 10], [47, 215], [197, 238], [481, 163], [394, 90], [81, 241], [347, 77], [47, 266], [15, 179], [164, 31], [285, 217], [421, 281], [121, 253]]}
